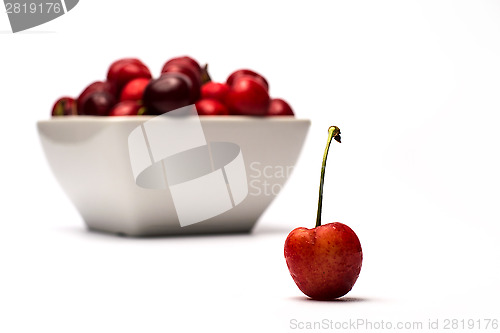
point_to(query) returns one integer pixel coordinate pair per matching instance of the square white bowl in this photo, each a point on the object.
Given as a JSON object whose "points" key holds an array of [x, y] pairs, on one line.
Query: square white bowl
{"points": [[90, 158]]}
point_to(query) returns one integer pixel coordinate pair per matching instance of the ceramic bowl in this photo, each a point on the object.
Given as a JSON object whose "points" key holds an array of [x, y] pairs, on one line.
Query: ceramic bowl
{"points": [[94, 161]]}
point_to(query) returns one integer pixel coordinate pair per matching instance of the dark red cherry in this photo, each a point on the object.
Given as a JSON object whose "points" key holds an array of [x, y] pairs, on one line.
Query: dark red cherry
{"points": [[169, 92], [98, 103]]}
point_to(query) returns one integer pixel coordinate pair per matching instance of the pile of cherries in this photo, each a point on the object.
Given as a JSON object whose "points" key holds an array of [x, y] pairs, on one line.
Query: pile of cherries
{"points": [[130, 90]]}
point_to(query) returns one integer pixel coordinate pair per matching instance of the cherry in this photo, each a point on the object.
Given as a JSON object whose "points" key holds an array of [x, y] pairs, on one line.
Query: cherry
{"points": [[231, 79], [134, 90], [279, 107], [211, 107], [116, 65], [98, 103], [248, 97], [64, 106], [91, 88], [325, 261], [169, 92], [124, 72], [182, 82], [215, 90], [185, 60], [127, 108], [187, 70]]}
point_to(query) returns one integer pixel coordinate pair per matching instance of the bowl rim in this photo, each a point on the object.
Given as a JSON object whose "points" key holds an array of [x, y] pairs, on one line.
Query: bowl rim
{"points": [[229, 118]]}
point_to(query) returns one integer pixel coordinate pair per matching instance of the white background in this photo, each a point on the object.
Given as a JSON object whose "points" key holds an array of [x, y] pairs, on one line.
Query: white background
{"points": [[414, 87]]}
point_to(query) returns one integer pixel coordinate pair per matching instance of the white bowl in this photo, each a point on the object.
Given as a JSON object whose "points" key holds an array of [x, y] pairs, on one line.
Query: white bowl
{"points": [[90, 158]]}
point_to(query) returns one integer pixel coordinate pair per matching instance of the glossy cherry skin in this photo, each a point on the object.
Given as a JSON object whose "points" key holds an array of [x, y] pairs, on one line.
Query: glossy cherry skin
{"points": [[116, 65], [134, 90], [64, 106], [187, 70], [325, 261], [91, 88], [279, 107], [248, 97], [211, 107], [127, 108], [215, 90], [185, 60], [126, 72], [247, 72], [98, 103], [169, 92]]}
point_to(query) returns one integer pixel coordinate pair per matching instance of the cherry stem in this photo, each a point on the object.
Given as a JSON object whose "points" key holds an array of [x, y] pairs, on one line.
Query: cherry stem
{"points": [[205, 76], [333, 133]]}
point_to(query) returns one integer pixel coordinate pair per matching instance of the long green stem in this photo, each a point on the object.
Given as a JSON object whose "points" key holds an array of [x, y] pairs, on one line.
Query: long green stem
{"points": [[333, 133]]}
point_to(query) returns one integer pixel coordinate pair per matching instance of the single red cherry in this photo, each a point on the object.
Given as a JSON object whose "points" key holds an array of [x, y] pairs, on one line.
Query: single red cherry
{"points": [[247, 72], [169, 92], [116, 65], [134, 90], [248, 97], [64, 106], [211, 107], [186, 61], [93, 87], [279, 107], [127, 108], [98, 103], [325, 261], [126, 72], [193, 75], [215, 90]]}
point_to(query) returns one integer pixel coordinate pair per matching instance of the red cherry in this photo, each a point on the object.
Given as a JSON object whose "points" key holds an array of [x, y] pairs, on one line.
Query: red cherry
{"points": [[187, 70], [215, 90], [211, 107], [325, 261], [241, 72], [279, 107], [127, 108], [98, 103], [185, 60], [169, 92], [115, 66], [91, 88], [64, 106], [248, 97], [126, 72], [134, 90]]}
